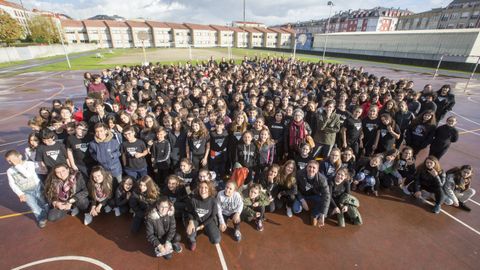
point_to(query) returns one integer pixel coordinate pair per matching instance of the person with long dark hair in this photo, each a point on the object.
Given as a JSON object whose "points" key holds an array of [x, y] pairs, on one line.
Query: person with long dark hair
{"points": [[430, 178], [66, 191]]}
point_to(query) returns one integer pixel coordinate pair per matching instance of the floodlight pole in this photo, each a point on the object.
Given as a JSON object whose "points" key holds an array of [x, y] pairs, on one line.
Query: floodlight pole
{"points": [[473, 74], [63, 45], [438, 67], [330, 3], [295, 43], [144, 53], [190, 52]]}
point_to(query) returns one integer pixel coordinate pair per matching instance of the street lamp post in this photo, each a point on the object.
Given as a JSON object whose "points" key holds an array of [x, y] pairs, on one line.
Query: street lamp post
{"points": [[330, 3], [295, 43]]}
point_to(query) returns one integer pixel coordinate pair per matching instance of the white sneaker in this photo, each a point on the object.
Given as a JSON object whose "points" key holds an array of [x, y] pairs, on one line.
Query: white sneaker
{"points": [[88, 219], [289, 212], [74, 212], [107, 209], [117, 211], [406, 191]]}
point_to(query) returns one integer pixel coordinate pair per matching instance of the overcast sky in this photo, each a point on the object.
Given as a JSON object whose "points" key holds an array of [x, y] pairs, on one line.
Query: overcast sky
{"points": [[217, 11]]}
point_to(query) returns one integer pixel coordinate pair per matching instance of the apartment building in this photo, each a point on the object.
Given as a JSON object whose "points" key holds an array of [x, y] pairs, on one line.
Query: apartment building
{"points": [[378, 19], [98, 32], [224, 35], [269, 37], [161, 34], [17, 12], [121, 34], [202, 35], [141, 34], [457, 15], [181, 35], [129, 34], [241, 38]]}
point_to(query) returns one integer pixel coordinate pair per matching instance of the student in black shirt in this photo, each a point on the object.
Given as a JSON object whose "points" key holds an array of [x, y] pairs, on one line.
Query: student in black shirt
{"points": [[247, 155], [202, 214], [178, 140], [369, 130], [420, 133], [218, 149], [161, 156], [278, 130], [50, 152], [444, 136], [388, 132], [352, 131], [198, 144], [133, 154], [77, 150]]}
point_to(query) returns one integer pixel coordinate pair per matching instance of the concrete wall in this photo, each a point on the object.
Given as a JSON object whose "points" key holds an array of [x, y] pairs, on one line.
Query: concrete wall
{"points": [[459, 45], [9, 54]]}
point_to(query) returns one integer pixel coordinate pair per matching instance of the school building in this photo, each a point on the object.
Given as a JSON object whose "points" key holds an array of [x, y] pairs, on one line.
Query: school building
{"points": [[138, 33]]}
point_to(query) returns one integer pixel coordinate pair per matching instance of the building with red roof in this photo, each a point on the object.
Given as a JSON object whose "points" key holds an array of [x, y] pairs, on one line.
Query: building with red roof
{"points": [[202, 35], [161, 34]]}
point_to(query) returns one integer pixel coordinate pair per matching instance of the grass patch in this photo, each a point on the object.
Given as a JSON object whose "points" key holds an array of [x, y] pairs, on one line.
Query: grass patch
{"points": [[91, 62], [15, 63]]}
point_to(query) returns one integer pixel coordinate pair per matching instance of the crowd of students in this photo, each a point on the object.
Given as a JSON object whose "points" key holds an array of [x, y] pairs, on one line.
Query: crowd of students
{"points": [[220, 141]]}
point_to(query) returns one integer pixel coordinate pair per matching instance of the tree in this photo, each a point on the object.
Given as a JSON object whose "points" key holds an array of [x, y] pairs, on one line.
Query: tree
{"points": [[43, 30], [10, 29]]}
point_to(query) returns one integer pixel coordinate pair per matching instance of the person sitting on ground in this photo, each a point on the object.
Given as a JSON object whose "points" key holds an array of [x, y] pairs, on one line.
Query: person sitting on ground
{"points": [[313, 188], [162, 230], [23, 180]]}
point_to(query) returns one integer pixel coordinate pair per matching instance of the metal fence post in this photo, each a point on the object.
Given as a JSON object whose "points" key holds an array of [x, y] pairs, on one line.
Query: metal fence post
{"points": [[473, 74], [438, 67]]}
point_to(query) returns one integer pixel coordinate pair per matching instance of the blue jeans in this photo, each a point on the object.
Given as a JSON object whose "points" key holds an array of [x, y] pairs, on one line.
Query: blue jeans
{"points": [[36, 202], [136, 173], [314, 200]]}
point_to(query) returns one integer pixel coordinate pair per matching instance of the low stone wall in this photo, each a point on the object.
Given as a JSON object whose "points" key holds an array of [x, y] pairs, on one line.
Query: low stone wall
{"points": [[10, 54]]}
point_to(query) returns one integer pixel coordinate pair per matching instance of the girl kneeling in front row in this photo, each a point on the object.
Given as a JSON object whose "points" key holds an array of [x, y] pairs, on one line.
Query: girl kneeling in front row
{"points": [[100, 189], [66, 191], [230, 206], [161, 229], [201, 214], [254, 204], [342, 202]]}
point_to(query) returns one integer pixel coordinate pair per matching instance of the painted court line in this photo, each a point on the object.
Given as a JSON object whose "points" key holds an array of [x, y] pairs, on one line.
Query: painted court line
{"points": [[475, 202], [15, 215], [466, 118], [66, 258], [466, 131], [38, 79], [469, 131], [220, 255], [457, 220], [472, 100], [36, 105], [3, 144]]}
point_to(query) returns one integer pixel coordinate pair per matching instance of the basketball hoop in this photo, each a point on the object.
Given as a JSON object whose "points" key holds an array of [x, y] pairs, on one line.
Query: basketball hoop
{"points": [[142, 36], [302, 39]]}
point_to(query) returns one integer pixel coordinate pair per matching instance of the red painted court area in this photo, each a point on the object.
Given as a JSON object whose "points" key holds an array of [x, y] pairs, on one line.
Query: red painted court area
{"points": [[398, 231]]}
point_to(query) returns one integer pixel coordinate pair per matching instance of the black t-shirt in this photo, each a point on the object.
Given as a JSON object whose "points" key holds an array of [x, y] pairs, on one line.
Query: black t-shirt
{"points": [[198, 145], [278, 131], [369, 128], [51, 155], [218, 142], [79, 148], [130, 149], [386, 140], [353, 129], [302, 162], [61, 137]]}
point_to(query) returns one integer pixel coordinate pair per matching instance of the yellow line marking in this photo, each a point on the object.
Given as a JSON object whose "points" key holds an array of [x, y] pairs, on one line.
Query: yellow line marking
{"points": [[15, 215], [469, 131]]}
